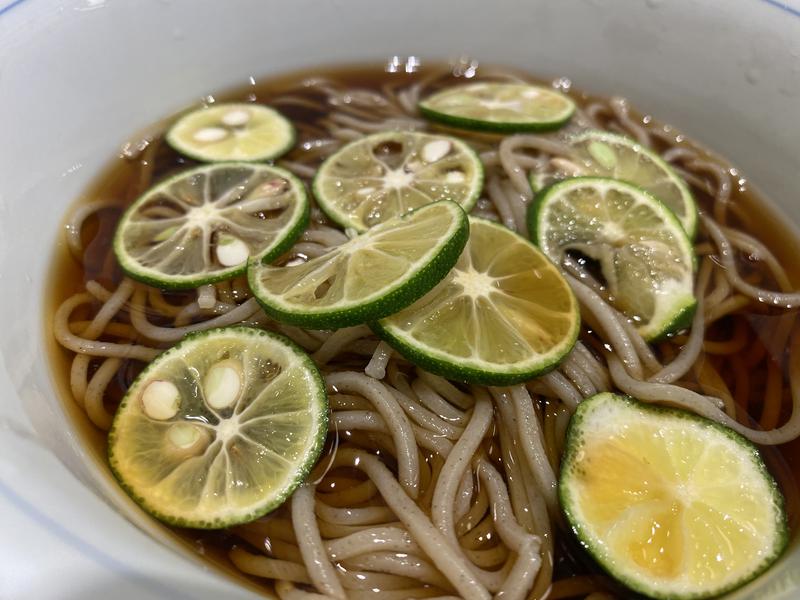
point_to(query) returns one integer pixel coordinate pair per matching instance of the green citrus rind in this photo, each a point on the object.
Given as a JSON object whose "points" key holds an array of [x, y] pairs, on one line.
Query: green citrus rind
{"points": [[471, 369], [284, 136], [431, 108], [280, 242], [685, 209], [331, 204], [671, 315], [440, 255], [270, 348], [571, 469]]}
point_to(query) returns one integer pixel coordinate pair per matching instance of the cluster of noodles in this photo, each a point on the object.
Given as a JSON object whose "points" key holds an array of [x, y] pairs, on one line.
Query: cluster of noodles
{"points": [[432, 489]]}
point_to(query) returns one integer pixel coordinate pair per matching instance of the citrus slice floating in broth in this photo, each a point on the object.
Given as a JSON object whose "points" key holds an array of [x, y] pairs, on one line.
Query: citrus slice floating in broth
{"points": [[232, 132], [606, 154], [370, 276], [645, 257], [203, 225], [219, 429], [502, 315], [390, 173], [671, 504], [503, 107]]}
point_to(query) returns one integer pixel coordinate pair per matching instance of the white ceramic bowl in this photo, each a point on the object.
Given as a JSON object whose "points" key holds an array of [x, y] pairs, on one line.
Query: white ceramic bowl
{"points": [[80, 77]]}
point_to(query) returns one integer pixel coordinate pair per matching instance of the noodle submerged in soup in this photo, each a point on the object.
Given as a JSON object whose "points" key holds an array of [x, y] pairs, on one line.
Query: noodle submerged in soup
{"points": [[412, 457]]}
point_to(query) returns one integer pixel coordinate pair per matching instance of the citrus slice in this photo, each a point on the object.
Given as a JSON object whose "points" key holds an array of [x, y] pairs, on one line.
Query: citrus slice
{"points": [[202, 225], [219, 429], [387, 174], [232, 132], [607, 154], [671, 504], [371, 276], [505, 107], [645, 257], [503, 314]]}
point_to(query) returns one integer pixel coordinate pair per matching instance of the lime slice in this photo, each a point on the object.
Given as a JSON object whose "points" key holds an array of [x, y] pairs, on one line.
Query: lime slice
{"points": [[202, 225], [503, 315], [387, 174], [219, 429], [505, 107], [644, 254], [371, 276], [669, 503], [610, 155], [232, 132]]}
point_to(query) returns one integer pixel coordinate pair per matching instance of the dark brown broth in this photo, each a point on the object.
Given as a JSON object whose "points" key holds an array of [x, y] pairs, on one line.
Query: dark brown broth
{"points": [[118, 181]]}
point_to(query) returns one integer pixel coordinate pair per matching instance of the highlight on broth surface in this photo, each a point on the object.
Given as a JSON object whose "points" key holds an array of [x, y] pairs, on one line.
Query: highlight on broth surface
{"points": [[445, 481]]}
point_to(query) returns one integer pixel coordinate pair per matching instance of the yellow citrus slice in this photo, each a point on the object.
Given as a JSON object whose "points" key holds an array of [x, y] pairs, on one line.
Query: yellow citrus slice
{"points": [[671, 504]]}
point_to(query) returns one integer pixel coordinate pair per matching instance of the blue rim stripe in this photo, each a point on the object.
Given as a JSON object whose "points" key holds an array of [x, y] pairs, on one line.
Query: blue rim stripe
{"points": [[784, 7], [8, 7]]}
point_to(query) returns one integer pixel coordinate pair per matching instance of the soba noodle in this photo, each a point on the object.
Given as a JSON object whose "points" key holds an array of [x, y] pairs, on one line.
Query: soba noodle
{"points": [[430, 488]]}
